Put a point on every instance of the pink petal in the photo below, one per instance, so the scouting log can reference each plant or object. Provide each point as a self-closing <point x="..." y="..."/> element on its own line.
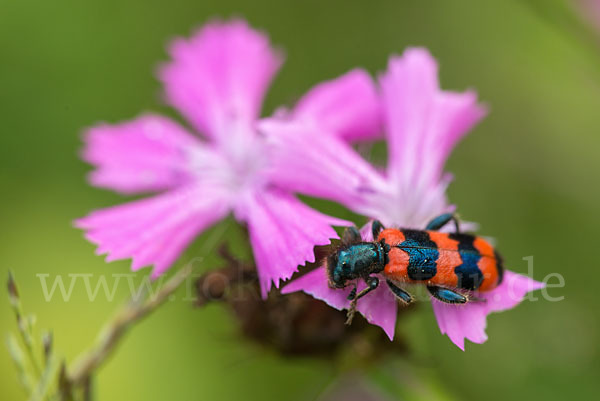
<point x="315" y="283"/>
<point x="379" y="307"/>
<point x="146" y="154"/>
<point x="347" y="106"/>
<point x="469" y="320"/>
<point x="510" y="292"/>
<point x="307" y="160"/>
<point x="423" y="123"/>
<point x="461" y="321"/>
<point x="283" y="234"/>
<point x="154" y="231"/>
<point x="366" y="231"/>
<point x="219" y="76"/>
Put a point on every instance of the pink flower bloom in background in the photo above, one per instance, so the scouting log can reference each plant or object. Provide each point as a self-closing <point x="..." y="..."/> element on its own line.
<point x="217" y="80"/>
<point x="422" y="124"/>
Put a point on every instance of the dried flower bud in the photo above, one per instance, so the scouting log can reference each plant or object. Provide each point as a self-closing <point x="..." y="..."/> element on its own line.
<point x="294" y="324"/>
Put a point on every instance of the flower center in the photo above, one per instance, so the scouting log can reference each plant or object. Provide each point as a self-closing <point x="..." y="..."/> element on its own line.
<point x="234" y="164"/>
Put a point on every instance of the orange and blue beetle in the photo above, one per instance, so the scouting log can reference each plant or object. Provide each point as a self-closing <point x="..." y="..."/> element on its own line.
<point x="451" y="265"/>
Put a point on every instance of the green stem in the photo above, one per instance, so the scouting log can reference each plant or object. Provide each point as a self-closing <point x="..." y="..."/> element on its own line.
<point x="117" y="327"/>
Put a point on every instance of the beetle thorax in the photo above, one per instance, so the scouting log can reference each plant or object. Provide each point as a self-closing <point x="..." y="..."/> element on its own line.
<point x="355" y="261"/>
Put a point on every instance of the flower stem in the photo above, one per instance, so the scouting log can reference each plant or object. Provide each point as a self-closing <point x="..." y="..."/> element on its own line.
<point x="117" y="327"/>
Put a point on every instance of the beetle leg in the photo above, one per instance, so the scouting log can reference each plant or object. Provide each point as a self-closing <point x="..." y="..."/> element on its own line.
<point x="372" y="283"/>
<point x="351" y="236"/>
<point x="441" y="220"/>
<point x="402" y="295"/>
<point x="472" y="298"/>
<point x="352" y="294"/>
<point x="446" y="295"/>
<point x="376" y="228"/>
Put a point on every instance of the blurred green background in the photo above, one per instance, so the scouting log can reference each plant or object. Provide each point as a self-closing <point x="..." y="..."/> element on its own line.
<point x="528" y="174"/>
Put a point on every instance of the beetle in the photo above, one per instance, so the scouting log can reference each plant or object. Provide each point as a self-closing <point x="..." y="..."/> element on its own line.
<point x="451" y="265"/>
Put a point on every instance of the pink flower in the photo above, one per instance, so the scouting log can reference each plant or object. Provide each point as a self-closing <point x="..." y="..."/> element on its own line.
<point x="422" y="124"/>
<point x="217" y="80"/>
